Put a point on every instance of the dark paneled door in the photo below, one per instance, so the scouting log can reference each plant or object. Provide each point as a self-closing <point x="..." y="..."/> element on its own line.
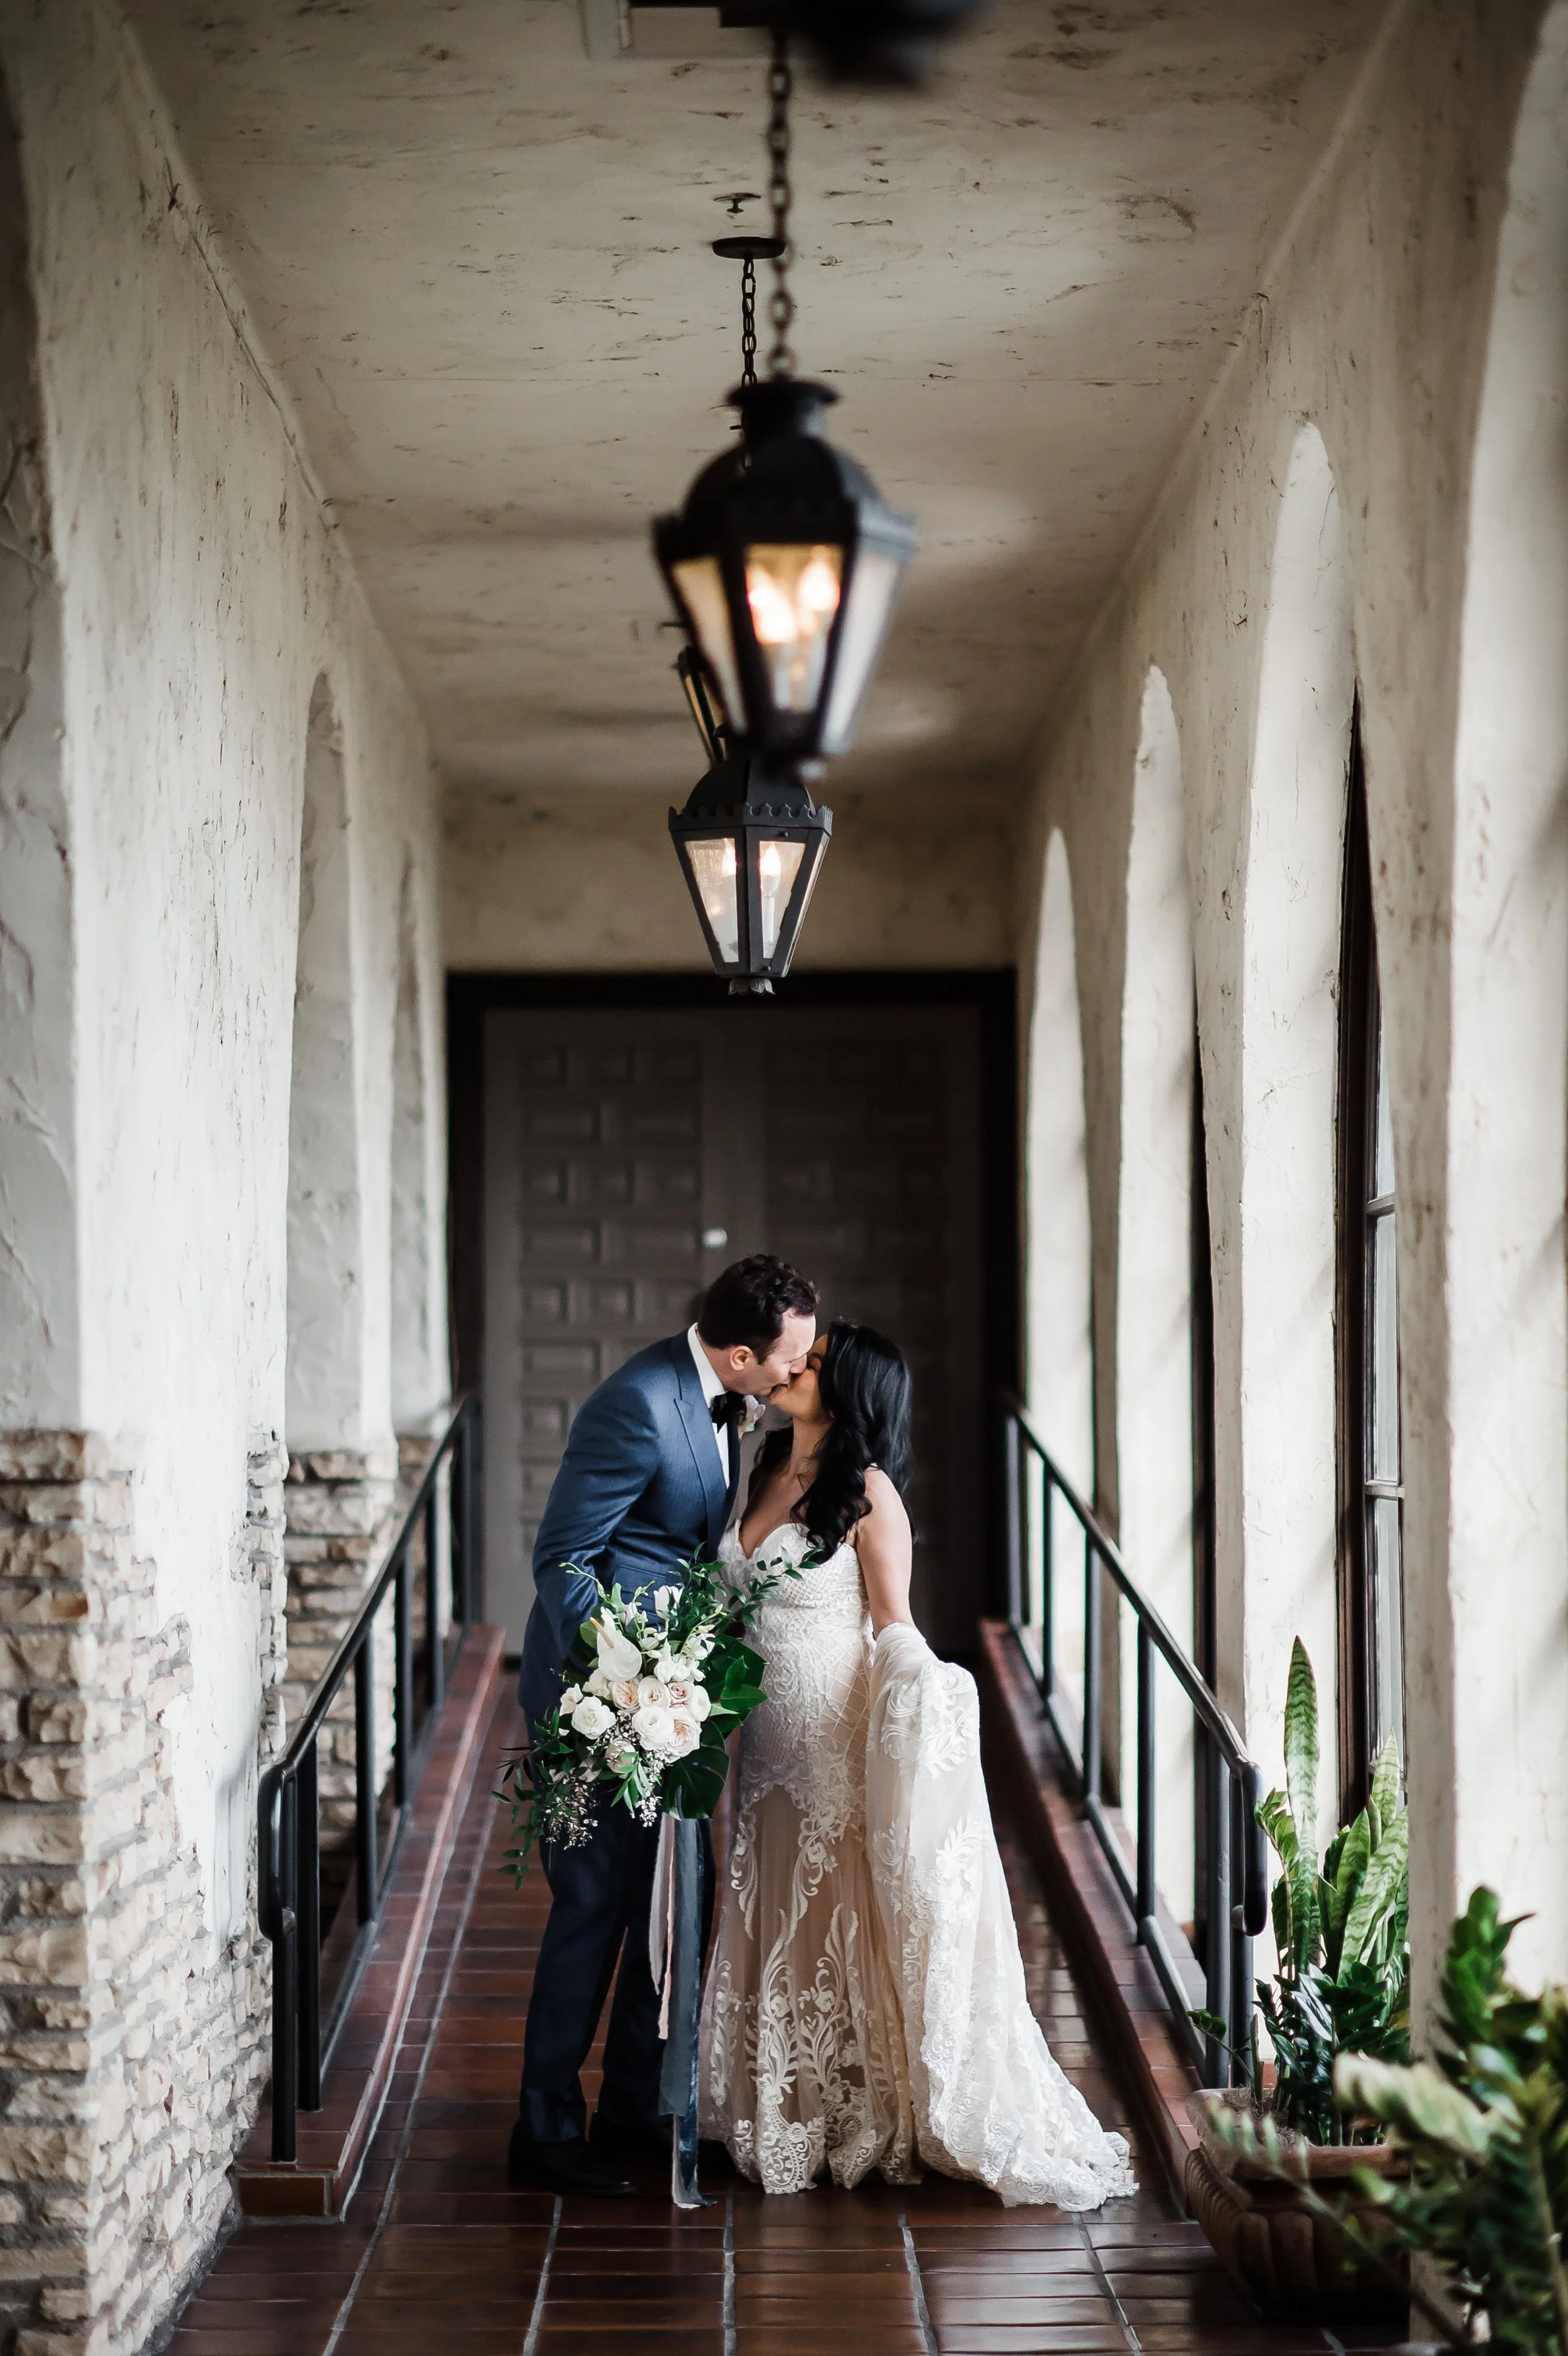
<point x="629" y="1156"/>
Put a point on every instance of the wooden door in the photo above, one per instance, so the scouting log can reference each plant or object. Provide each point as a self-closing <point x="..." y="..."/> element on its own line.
<point x="630" y="1155"/>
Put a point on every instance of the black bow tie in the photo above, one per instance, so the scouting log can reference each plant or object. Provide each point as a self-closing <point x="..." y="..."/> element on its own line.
<point x="729" y="1407"/>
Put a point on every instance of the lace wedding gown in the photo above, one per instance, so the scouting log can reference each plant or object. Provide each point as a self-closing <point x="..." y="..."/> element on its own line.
<point x="864" y="2004"/>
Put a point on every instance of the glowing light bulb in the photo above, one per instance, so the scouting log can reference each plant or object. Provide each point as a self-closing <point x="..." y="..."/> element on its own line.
<point x="773" y="613"/>
<point x="770" y="867"/>
<point x="727" y="863"/>
<point x="818" y="590"/>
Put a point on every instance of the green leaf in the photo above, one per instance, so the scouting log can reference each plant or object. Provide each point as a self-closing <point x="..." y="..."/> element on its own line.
<point x="1301" y="1943"/>
<point x="1382" y="1894"/>
<point x="1417" y="2102"/>
<point x="1344" y="1867"/>
<point x="1386" y="1780"/>
<point x="1301" y="1745"/>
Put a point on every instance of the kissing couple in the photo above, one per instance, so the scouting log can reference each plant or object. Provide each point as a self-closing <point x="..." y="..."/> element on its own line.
<point x="864" y="2008"/>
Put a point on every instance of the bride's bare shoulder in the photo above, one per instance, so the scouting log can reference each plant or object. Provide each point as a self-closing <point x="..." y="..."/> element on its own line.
<point x="887" y="1506"/>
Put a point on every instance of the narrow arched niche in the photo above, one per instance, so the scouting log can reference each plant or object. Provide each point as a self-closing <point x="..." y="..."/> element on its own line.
<point x="1060" y="1352"/>
<point x="1154" y="1258"/>
<point x="325" y="1275"/>
<point x="1292" y="912"/>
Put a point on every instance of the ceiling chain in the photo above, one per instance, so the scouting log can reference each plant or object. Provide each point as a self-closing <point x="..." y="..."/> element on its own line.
<point x="781" y="305"/>
<point x="748" y="321"/>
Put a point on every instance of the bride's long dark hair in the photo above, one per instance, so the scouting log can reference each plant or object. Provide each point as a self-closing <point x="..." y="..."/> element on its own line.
<point x="864" y="1385"/>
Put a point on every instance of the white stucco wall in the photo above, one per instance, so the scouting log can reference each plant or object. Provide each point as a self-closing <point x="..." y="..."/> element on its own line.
<point x="1375" y="332"/>
<point x="203" y="593"/>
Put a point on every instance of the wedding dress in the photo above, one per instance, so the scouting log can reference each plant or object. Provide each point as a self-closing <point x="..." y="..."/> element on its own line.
<point x="864" y="2004"/>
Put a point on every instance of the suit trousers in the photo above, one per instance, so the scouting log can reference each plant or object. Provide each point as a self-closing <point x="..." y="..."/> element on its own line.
<point x="600" y="1896"/>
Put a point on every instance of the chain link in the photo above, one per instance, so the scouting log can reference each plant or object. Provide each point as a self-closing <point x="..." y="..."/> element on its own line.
<point x="780" y="303"/>
<point x="748" y="321"/>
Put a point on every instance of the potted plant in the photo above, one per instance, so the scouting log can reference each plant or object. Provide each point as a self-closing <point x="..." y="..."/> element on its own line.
<point x="1341" y="1986"/>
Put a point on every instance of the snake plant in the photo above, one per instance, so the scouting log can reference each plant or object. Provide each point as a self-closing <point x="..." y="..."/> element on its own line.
<point x="1340" y="1926"/>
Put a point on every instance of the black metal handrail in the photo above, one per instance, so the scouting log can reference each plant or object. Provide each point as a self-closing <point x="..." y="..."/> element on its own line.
<point x="1236" y="1863"/>
<point x="288" y="1801"/>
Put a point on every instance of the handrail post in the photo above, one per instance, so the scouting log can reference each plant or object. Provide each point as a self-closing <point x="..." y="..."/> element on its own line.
<point x="307" y="1853"/>
<point x="1047" y="1581"/>
<point x="1216" y="2061"/>
<point x="402" y="1684"/>
<point x="364" y="1775"/>
<point x="1012" y="1462"/>
<point x="1092" y="1761"/>
<point x="1240" y="2014"/>
<point x="286" y="1984"/>
<point x="465" y="1585"/>
<point x="435" y="1656"/>
<point x="1145" y="1779"/>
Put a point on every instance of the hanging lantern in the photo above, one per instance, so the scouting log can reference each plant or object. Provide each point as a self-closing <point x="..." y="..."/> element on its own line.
<point x="785" y="565"/>
<point x="750" y="853"/>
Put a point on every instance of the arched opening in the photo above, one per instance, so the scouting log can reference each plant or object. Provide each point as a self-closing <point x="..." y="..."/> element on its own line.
<point x="325" y="1275"/>
<point x="40" y="1349"/>
<point x="1154" y="1262"/>
<point x="417" y="1390"/>
<point x="1061" y="1350"/>
<point x="1289" y="1085"/>
<point x="1487" y="1598"/>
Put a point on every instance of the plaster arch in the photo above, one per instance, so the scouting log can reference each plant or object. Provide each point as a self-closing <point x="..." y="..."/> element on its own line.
<point x="40" y="1337"/>
<point x="1292" y="922"/>
<point x="1488" y="1659"/>
<point x="1060" y="1357"/>
<point x="1154" y="1257"/>
<point x="324" y="1385"/>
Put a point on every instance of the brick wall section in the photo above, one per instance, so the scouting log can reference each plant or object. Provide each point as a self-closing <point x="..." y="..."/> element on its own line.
<point x="341" y="1509"/>
<point x="130" y="2063"/>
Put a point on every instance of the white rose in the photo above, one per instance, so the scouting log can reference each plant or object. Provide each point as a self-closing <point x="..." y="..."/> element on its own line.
<point x="654" y="1726"/>
<point x="590" y="1719"/>
<point x="598" y="1683"/>
<point x="618" y="1657"/>
<point x="691" y="1694"/>
<point x="623" y="1693"/>
<point x="652" y="1694"/>
<point x="569" y="1700"/>
<point x="686" y="1734"/>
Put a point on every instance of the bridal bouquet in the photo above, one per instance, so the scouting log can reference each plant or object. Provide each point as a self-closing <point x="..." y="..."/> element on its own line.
<point x="651" y="1698"/>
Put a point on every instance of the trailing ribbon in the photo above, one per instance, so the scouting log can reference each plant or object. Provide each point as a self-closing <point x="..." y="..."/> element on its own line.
<point x="675" y="1958"/>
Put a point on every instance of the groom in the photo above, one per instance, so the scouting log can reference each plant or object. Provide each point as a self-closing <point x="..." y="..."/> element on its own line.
<point x="648" y="1477"/>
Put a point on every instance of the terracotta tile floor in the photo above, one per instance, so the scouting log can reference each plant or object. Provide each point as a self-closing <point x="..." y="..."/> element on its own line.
<point x="437" y="2251"/>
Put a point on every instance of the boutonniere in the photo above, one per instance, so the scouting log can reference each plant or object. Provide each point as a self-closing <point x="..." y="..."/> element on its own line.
<point x="750" y="1415"/>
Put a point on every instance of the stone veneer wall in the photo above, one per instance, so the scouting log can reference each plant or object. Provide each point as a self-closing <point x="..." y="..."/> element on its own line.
<point x="341" y="1507"/>
<point x="131" y="2056"/>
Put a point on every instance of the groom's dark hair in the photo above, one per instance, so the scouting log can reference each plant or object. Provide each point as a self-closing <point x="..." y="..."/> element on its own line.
<point x="747" y="1303"/>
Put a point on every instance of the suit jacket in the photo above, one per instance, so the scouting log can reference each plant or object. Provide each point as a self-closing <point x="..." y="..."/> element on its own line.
<point x="638" y="1491"/>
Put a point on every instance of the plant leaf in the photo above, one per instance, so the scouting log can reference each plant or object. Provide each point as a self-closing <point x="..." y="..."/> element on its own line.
<point x="1301" y="1746"/>
<point x="1417" y="2101"/>
<point x="1385" y="1781"/>
<point x="1383" y="1893"/>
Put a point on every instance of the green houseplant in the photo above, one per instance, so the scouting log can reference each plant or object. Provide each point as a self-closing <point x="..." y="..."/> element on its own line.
<point x="1484" y="2127"/>
<point x="1343" y="1986"/>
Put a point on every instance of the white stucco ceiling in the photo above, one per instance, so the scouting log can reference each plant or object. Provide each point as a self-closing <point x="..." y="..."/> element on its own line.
<point x="480" y="262"/>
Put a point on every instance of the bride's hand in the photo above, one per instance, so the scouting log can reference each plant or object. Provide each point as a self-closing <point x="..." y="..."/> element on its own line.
<point x="887" y="1554"/>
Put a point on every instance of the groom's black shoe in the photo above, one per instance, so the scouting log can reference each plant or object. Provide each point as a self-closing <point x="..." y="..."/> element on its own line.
<point x="563" y="2168"/>
<point x="622" y="2146"/>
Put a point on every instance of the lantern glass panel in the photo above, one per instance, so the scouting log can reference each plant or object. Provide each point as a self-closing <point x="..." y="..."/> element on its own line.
<point x="792" y="588"/>
<point x="701" y="584"/>
<point x="873" y="593"/>
<point x="717" y="874"/>
<point x="778" y="865"/>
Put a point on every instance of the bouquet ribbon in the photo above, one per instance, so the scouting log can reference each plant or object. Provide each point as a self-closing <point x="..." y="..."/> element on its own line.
<point x="675" y="1958"/>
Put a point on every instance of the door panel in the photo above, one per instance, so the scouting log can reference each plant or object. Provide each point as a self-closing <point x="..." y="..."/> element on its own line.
<point x="845" y="1138"/>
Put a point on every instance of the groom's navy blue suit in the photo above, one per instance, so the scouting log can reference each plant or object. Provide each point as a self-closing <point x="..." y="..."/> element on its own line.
<point x="639" y="1491"/>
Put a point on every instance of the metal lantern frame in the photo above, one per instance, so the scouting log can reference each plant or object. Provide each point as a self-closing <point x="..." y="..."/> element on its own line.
<point x="738" y="805"/>
<point x="785" y="487"/>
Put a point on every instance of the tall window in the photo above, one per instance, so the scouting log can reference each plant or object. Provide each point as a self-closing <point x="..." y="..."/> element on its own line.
<point x="1372" y="1590"/>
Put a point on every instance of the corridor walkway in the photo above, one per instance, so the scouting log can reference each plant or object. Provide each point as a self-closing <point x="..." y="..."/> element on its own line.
<point x="439" y="2253"/>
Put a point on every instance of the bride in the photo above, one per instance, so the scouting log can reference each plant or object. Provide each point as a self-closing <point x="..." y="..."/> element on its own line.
<point x="865" y="2006"/>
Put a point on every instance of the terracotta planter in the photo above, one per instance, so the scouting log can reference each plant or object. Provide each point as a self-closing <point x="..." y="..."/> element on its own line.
<point x="1294" y="2265"/>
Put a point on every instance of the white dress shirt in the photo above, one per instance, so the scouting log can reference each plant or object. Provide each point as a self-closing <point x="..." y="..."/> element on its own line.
<point x="712" y="1389"/>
